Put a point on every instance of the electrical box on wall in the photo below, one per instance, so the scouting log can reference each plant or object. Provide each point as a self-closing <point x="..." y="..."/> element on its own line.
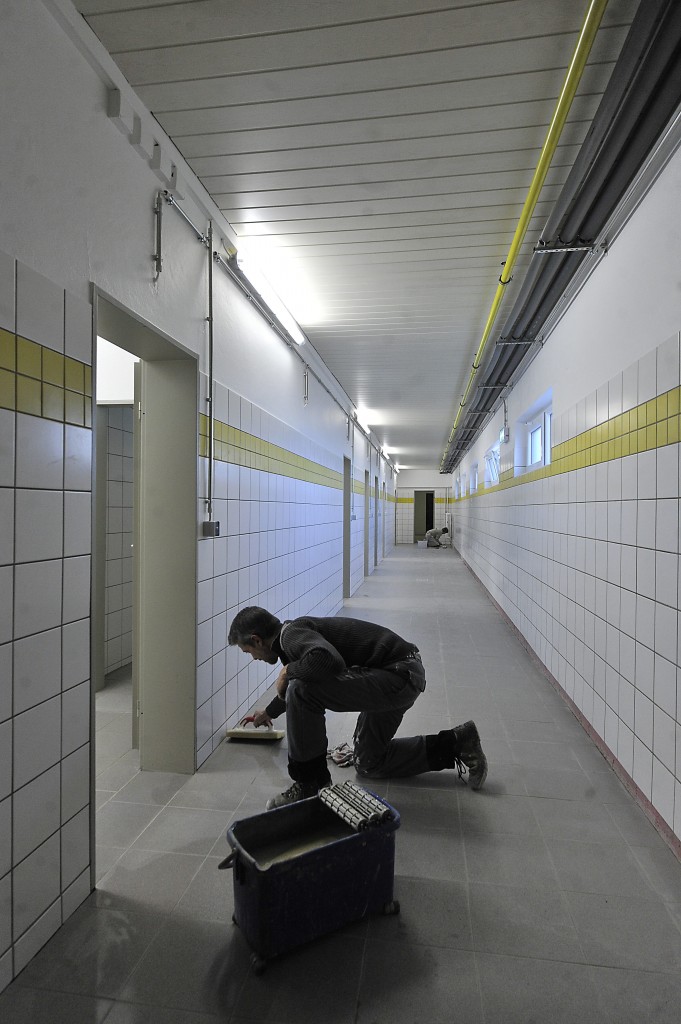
<point x="504" y="435"/>
<point x="211" y="529"/>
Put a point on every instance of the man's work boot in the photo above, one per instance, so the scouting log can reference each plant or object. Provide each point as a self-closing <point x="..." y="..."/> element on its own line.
<point x="458" y="748"/>
<point x="467" y="742"/>
<point x="296" y="791"/>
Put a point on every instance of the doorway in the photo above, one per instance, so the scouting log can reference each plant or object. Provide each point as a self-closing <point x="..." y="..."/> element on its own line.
<point x="163" y="563"/>
<point x="424" y="513"/>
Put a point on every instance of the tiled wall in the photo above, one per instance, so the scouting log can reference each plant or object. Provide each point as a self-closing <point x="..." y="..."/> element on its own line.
<point x="119" y="498"/>
<point x="279" y="499"/>
<point x="583" y="556"/>
<point x="405" y="512"/>
<point x="45" y="508"/>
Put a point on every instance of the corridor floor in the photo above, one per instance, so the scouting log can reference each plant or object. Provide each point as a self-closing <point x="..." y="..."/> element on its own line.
<point x="545" y="897"/>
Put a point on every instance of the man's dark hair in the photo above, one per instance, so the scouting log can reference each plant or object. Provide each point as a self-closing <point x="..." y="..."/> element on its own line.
<point x="446" y="530"/>
<point x="252" y="620"/>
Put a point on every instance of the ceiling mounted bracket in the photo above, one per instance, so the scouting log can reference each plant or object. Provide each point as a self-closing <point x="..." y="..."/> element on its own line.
<point x="548" y="248"/>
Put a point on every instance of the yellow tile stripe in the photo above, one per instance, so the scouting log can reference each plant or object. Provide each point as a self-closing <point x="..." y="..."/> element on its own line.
<point x="240" y="448"/>
<point x="650" y="425"/>
<point x="41" y="382"/>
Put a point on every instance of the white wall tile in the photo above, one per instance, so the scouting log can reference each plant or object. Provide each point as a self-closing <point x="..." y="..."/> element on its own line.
<point x="646" y="515"/>
<point x="7" y="438"/>
<point x="7" y="294"/>
<point x="77" y="458"/>
<point x="35" y="813"/>
<point x="630" y="387"/>
<point x="668" y="364"/>
<point x="5" y="759"/>
<point x="39" y="525"/>
<point x="75" y="718"/>
<point x="615" y="392"/>
<point x="36" y="885"/>
<point x="643" y="767"/>
<point x="39" y="453"/>
<point x="75" y="847"/>
<point x="5" y="913"/>
<point x="76" y="588"/>
<point x="6" y="602"/>
<point x="645" y="670"/>
<point x="77" y="328"/>
<point x="666" y="577"/>
<point x="36" y="740"/>
<point x="667" y="524"/>
<point x="668" y="471"/>
<point x="7" y="520"/>
<point x="37" y="669"/>
<point x="662" y="795"/>
<point x="75" y="653"/>
<point x="26" y="947"/>
<point x="647" y="474"/>
<point x="40" y="309"/>
<point x="77" y="892"/>
<point x="37" y="597"/>
<point x="645" y="572"/>
<point x="665" y="685"/>
<point x="647" y="377"/>
<point x="77" y="523"/>
<point x="665" y="631"/>
<point x="75" y="782"/>
<point x="6" y="681"/>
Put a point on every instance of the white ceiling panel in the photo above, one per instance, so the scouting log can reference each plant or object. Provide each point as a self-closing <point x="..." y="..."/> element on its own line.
<point x="384" y="150"/>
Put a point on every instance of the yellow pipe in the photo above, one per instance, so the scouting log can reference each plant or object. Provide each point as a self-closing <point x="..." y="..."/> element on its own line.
<point x="574" y="73"/>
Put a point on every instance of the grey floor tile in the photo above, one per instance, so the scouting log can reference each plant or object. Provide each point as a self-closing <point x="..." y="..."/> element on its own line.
<point x="638" y="997"/>
<point x="151" y="788"/>
<point x="572" y="819"/>
<point x="632" y="823"/>
<point x="21" y="1005"/>
<point x="608" y="867"/>
<point x="537" y="755"/>
<point x="523" y="922"/>
<point x="437" y="855"/>
<point x="503" y="815"/>
<point x="120" y="824"/>
<point x="134" y="1013"/>
<point x="94" y="952"/>
<point x="191" y="965"/>
<point x="661" y="868"/>
<point x="518" y="990"/>
<point x="210" y="894"/>
<point x="617" y="931"/>
<point x="522" y="861"/>
<point x="105" y="858"/>
<point x="402" y="983"/>
<point x="433" y="912"/>
<point x="151" y="879"/>
<point x="421" y="806"/>
<point x="284" y="995"/>
<point x="191" y="830"/>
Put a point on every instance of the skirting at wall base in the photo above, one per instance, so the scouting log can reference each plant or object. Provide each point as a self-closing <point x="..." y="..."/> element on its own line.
<point x="672" y="841"/>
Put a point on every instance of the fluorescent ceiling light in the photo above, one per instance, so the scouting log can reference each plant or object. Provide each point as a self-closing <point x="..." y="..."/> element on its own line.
<point x="285" y="274"/>
<point x="263" y="286"/>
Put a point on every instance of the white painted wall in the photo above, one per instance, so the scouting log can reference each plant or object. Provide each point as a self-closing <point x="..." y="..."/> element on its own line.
<point x="586" y="563"/>
<point x="77" y="211"/>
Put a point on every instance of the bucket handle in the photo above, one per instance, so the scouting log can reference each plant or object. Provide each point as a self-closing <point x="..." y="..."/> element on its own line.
<point x="228" y="862"/>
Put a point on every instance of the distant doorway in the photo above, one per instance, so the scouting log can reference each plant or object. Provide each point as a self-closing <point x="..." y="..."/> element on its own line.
<point x="424" y="513"/>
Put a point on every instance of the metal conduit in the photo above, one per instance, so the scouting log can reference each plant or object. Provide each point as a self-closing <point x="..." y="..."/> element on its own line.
<point x="641" y="98"/>
<point x="572" y="79"/>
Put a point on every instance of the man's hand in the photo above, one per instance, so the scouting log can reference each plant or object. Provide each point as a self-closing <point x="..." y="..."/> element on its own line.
<point x="259" y="717"/>
<point x="282" y="683"/>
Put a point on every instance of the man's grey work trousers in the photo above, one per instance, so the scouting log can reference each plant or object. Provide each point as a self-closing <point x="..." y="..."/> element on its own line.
<point x="382" y="696"/>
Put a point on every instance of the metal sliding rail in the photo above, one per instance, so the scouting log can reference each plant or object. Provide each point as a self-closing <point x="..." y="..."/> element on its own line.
<point x="575" y="70"/>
